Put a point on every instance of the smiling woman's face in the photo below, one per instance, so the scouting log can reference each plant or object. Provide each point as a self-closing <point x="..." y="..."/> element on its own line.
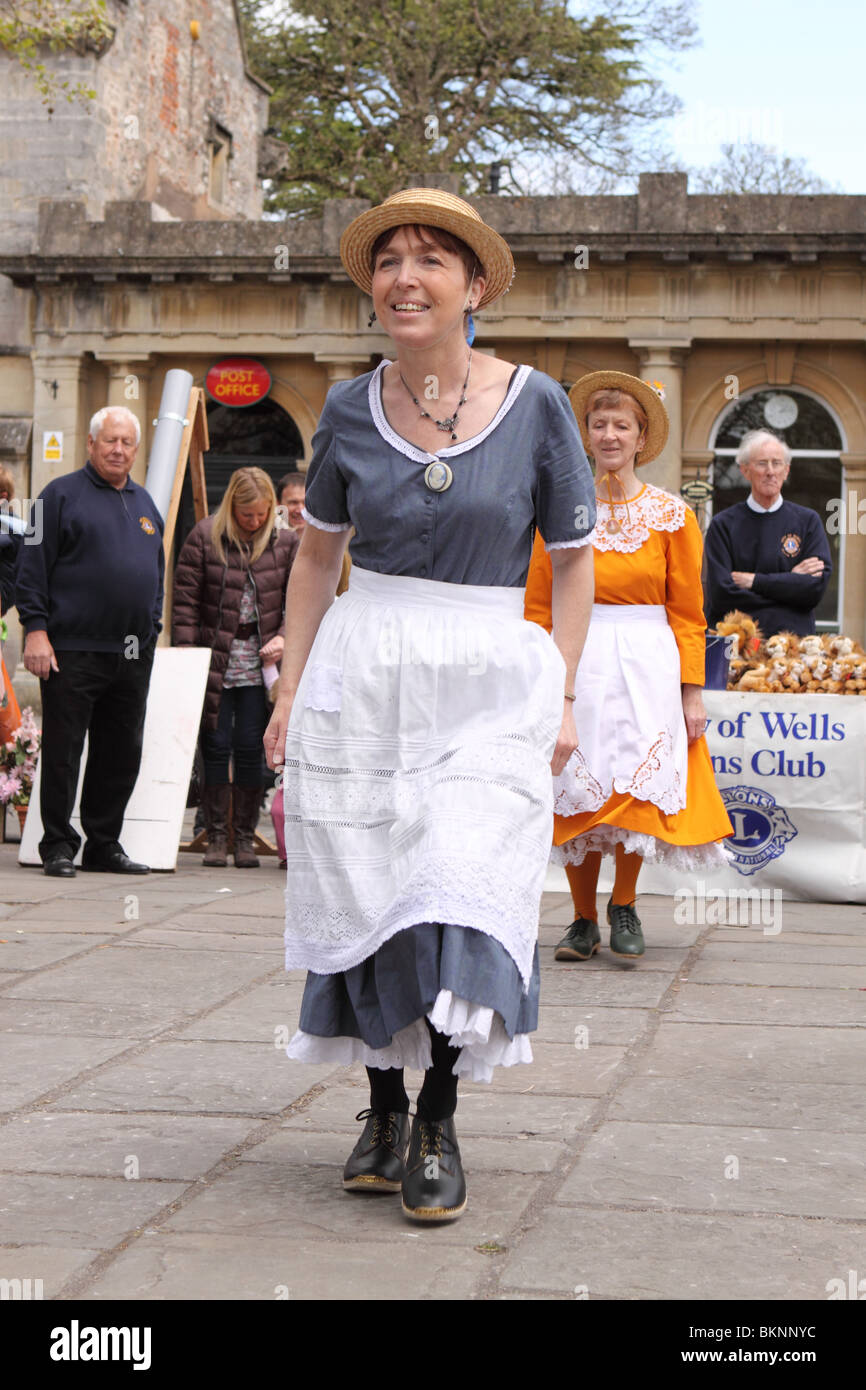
<point x="420" y="289"/>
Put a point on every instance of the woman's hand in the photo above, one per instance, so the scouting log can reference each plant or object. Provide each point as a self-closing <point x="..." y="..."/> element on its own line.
<point x="567" y="741"/>
<point x="694" y="712"/>
<point x="275" y="734"/>
<point x="272" y="651"/>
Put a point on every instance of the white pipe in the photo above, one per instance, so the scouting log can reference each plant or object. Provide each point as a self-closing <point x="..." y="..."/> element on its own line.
<point x="170" y="424"/>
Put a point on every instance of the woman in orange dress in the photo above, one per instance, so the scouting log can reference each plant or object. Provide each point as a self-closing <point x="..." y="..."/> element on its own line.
<point x="640" y="785"/>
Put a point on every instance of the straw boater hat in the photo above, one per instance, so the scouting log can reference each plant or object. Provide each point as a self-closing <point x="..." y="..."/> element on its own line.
<point x="428" y="207"/>
<point x="657" y="428"/>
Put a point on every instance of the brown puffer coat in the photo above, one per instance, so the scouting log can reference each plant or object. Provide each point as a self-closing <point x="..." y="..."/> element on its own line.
<point x="207" y="599"/>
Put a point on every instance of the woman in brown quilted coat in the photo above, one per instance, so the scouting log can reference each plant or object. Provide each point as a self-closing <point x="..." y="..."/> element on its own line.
<point x="229" y="595"/>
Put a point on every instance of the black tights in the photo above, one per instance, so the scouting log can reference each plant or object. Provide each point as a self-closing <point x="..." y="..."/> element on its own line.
<point x="437" y="1099"/>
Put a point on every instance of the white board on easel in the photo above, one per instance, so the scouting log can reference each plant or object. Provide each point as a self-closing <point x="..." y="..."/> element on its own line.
<point x="154" y="817"/>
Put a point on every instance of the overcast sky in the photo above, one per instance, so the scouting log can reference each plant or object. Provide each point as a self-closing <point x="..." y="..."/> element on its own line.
<point x="790" y="73"/>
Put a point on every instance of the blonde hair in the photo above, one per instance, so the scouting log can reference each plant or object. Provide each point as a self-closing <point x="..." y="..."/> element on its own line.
<point x="246" y="486"/>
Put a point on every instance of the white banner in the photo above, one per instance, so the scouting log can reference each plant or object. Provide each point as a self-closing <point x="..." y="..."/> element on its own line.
<point x="792" y="773"/>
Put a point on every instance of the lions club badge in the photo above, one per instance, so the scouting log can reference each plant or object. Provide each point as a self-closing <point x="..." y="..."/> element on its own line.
<point x="791" y="544"/>
<point x="146" y="525"/>
<point x="761" y="828"/>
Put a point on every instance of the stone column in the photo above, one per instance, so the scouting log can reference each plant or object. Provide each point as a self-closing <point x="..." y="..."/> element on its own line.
<point x="662" y="360"/>
<point x="58" y="405"/>
<point x="343" y="368"/>
<point x="128" y="385"/>
<point x="853" y="524"/>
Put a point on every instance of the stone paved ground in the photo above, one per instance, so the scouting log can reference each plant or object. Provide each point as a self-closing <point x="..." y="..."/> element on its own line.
<point x="692" y="1128"/>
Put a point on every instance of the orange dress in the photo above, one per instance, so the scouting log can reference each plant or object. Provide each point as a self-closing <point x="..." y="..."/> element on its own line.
<point x="652" y="564"/>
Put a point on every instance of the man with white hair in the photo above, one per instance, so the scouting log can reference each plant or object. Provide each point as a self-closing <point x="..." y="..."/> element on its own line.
<point x="90" y="601"/>
<point x="768" y="557"/>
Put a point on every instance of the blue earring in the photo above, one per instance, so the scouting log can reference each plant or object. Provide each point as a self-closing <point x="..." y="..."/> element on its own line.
<point x="470" y="329"/>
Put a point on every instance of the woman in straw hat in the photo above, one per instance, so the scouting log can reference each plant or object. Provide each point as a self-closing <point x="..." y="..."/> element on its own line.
<point x="420" y="713"/>
<point x="640" y="784"/>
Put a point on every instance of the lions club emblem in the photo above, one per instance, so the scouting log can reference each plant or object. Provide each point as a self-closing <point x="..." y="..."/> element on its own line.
<point x="761" y="828"/>
<point x="791" y="544"/>
<point x="146" y="525"/>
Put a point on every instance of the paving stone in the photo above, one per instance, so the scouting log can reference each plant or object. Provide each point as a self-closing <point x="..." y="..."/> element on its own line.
<point x="716" y="1168"/>
<point x="200" y="1078"/>
<point x="213" y="940"/>
<point x="494" y="1112"/>
<point x="164" y="1146"/>
<point x="673" y="1255"/>
<point x="82" y="931"/>
<point x="808" y="1078"/>
<point x="626" y="987"/>
<point x="479" y="1155"/>
<point x="53" y="1264"/>
<point x="558" y="1022"/>
<point x="26" y="952"/>
<point x="559" y="1069"/>
<point x="256" y="1016"/>
<point x="298" y="1202"/>
<point x="835" y="1008"/>
<point x="802" y="949"/>
<point x="413" y="1265"/>
<point x="779" y="972"/>
<point x="242" y="924"/>
<point x="36" y="1063"/>
<point x="138" y="975"/>
<point x="85" y="1212"/>
<point x="102" y="1020"/>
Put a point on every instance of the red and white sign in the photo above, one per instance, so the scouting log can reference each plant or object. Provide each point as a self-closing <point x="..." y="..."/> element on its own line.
<point x="238" y="381"/>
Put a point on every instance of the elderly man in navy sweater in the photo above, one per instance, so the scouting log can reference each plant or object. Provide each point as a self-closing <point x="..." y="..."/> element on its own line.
<point x="90" y="600"/>
<point x="765" y="556"/>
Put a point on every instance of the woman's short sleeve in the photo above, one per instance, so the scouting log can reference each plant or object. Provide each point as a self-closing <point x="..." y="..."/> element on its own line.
<point x="565" y="492"/>
<point x="325" y="493"/>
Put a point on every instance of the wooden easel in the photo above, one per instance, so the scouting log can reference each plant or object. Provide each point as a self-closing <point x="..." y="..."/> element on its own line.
<point x="194" y="444"/>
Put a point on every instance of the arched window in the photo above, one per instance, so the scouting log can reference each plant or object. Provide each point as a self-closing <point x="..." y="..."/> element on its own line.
<point x="814" y="436"/>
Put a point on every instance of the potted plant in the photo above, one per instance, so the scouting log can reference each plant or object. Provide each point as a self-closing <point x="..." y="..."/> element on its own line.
<point x="18" y="765"/>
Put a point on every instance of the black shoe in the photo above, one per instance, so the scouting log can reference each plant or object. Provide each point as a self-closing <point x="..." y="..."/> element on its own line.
<point x="376" y="1162"/>
<point x="581" y="940"/>
<point x="626" y="937"/>
<point x="60" y="866"/>
<point x="112" y="861"/>
<point x="434" y="1188"/>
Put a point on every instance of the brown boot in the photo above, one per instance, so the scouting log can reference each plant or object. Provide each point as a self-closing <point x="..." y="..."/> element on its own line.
<point x="215" y="804"/>
<point x="246" y="804"/>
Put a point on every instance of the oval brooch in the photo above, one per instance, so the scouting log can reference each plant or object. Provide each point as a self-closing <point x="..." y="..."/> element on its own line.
<point x="438" y="476"/>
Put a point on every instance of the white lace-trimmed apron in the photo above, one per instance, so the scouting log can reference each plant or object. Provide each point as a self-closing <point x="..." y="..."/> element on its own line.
<point x="629" y="714"/>
<point x="417" y="780"/>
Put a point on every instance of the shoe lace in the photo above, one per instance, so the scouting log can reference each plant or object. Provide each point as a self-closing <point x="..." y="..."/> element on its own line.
<point x="624" y="918"/>
<point x="384" y="1131"/>
<point x="433" y="1137"/>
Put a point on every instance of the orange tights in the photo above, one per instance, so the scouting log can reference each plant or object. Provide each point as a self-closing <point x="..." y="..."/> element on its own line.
<point x="583" y="881"/>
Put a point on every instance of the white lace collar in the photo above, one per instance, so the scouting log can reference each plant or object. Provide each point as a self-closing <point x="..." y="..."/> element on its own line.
<point x="652" y="510"/>
<point x="380" y="420"/>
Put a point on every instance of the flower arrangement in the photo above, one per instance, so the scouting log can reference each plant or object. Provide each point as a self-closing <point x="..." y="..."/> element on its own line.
<point x="18" y="762"/>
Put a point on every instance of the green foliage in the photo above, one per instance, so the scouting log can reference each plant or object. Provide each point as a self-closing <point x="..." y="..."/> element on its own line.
<point x="369" y="92"/>
<point x="29" y="27"/>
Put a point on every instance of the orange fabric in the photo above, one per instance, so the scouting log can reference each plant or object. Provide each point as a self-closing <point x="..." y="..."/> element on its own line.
<point x="628" y="866"/>
<point x="665" y="570"/>
<point x="583" y="882"/>
<point x="10" y="715"/>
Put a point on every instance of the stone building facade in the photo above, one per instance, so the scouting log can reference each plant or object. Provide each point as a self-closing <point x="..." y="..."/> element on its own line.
<point x="745" y="308"/>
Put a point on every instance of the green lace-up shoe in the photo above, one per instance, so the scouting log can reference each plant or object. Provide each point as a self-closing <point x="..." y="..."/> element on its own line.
<point x="626" y="937"/>
<point x="582" y="940"/>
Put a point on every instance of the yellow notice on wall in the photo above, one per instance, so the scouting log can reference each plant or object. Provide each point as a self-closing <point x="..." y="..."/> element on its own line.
<point x="52" y="446"/>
